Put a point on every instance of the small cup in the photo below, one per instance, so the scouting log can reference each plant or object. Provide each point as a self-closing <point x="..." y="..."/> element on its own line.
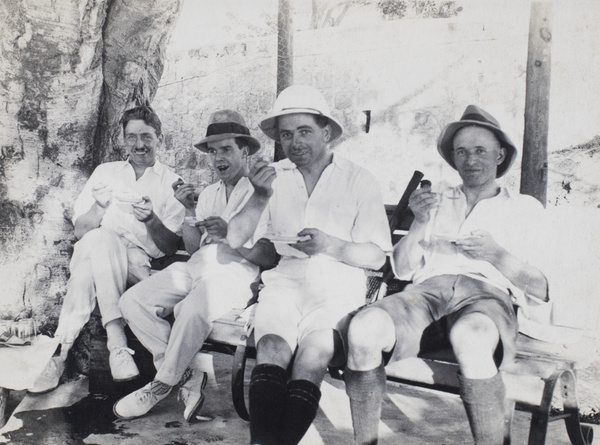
<point x="26" y="329"/>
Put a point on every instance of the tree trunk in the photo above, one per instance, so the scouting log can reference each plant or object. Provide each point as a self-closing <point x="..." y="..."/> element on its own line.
<point x="135" y="37"/>
<point x="66" y="65"/>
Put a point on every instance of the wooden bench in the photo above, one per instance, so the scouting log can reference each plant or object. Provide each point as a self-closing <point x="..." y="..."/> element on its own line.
<point x="540" y="368"/>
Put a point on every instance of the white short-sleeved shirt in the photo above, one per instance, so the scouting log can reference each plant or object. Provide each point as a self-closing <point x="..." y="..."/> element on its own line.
<point x="345" y="203"/>
<point x="213" y="202"/>
<point x="155" y="183"/>
<point x="510" y="219"/>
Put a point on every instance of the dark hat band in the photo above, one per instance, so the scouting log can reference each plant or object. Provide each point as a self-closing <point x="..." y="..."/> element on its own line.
<point x="477" y="117"/>
<point x="226" y="128"/>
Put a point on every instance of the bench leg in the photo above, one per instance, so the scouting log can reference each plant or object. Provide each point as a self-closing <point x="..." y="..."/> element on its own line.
<point x="540" y="415"/>
<point x="508" y="418"/>
<point x="237" y="379"/>
<point x="578" y="434"/>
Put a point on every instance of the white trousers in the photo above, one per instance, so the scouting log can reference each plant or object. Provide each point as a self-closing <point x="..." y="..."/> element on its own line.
<point x="196" y="293"/>
<point x="103" y="264"/>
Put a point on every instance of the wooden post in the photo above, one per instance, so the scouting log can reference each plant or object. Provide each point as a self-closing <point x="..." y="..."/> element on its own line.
<point x="534" y="170"/>
<point x="285" y="55"/>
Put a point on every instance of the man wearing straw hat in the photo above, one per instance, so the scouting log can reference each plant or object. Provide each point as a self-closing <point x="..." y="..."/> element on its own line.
<point x="214" y="280"/>
<point x="469" y="255"/>
<point x="328" y="222"/>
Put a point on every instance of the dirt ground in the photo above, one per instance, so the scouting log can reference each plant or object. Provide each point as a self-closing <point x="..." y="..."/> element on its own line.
<point x="71" y="415"/>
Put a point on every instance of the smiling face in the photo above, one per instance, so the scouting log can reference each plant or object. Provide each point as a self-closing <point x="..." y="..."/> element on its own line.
<point x="141" y="142"/>
<point x="477" y="154"/>
<point x="303" y="140"/>
<point x="228" y="159"/>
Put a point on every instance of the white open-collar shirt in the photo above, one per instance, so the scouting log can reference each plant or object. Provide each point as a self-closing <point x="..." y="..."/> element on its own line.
<point x="155" y="183"/>
<point x="345" y="203"/>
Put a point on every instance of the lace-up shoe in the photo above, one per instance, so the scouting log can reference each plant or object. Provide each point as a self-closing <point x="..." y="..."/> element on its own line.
<point x="139" y="402"/>
<point x="122" y="365"/>
<point x="191" y="393"/>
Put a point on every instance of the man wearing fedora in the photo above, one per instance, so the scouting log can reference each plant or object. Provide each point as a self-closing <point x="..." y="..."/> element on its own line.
<point x="469" y="256"/>
<point x="328" y="222"/>
<point x="214" y="280"/>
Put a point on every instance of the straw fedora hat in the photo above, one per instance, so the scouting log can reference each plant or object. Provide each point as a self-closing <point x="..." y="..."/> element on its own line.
<point x="225" y="124"/>
<point x="299" y="99"/>
<point x="474" y="115"/>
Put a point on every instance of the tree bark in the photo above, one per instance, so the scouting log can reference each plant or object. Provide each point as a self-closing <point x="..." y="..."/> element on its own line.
<point x="136" y="33"/>
<point x="68" y="67"/>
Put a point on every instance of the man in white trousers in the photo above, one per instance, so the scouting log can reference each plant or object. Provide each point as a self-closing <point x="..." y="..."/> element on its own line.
<point x="125" y="215"/>
<point x="214" y="280"/>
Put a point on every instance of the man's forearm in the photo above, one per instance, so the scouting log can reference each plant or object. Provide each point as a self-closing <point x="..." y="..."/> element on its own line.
<point x="365" y="255"/>
<point x="191" y="234"/>
<point x="523" y="275"/>
<point x="89" y="220"/>
<point x="164" y="239"/>
<point x="263" y="254"/>
<point x="408" y="252"/>
<point x="242" y="226"/>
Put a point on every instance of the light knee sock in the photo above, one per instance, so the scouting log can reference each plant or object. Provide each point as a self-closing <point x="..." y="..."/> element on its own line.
<point x="266" y="399"/>
<point x="365" y="390"/>
<point x="301" y="405"/>
<point x="485" y="403"/>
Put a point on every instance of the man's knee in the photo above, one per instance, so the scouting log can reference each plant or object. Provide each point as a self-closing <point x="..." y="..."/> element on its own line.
<point x="317" y="349"/>
<point x="474" y="338"/>
<point x="474" y="328"/>
<point x="371" y="329"/>
<point x="99" y="236"/>
<point x="273" y="349"/>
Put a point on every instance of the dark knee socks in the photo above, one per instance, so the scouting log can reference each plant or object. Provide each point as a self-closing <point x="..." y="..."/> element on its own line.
<point x="280" y="412"/>
<point x="301" y="404"/>
<point x="266" y="399"/>
<point x="365" y="390"/>
<point x="485" y="402"/>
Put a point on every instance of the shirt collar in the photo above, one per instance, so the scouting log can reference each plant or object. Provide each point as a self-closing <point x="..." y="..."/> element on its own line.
<point x="241" y="182"/>
<point x="338" y="162"/>
<point x="503" y="194"/>
<point x="157" y="168"/>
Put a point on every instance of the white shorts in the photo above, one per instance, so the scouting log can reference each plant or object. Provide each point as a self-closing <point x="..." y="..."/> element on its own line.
<point x="301" y="296"/>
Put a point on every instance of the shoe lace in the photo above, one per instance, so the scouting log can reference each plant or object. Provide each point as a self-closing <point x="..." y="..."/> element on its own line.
<point x="152" y="392"/>
<point x="146" y="394"/>
<point x="186" y="376"/>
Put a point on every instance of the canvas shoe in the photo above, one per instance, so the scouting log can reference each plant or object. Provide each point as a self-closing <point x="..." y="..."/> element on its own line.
<point x="138" y="402"/>
<point x="191" y="393"/>
<point x="122" y="365"/>
<point x="49" y="378"/>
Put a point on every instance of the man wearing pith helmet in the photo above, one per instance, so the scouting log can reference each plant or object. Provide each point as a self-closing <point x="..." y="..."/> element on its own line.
<point x="328" y="222"/>
<point x="469" y="255"/>
<point x="214" y="280"/>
